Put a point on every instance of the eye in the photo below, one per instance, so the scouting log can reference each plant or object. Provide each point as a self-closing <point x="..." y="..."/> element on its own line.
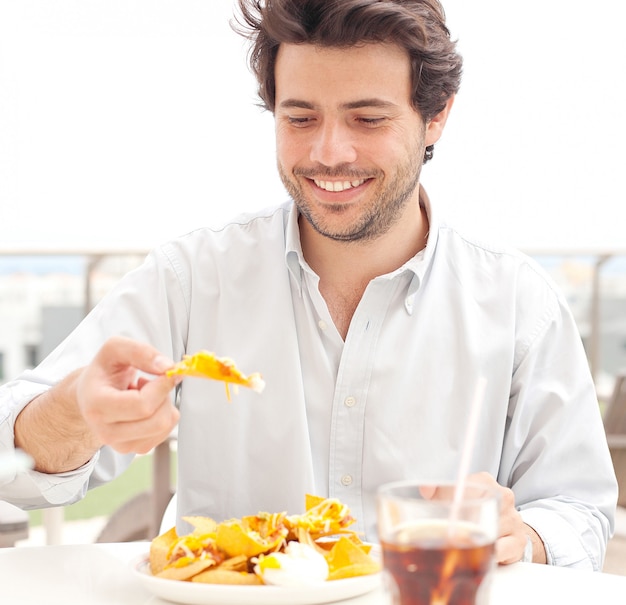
<point x="299" y="121"/>
<point x="370" y="121"/>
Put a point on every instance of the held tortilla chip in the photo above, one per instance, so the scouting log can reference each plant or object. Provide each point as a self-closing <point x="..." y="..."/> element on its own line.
<point x="205" y="364"/>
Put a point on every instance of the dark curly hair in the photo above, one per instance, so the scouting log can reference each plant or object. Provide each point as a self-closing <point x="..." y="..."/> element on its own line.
<point x="418" y="26"/>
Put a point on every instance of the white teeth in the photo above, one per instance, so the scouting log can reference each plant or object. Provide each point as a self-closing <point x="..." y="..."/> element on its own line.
<point x="338" y="185"/>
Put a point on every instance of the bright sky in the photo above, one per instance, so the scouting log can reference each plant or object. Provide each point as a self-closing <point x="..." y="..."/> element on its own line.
<point x="133" y="121"/>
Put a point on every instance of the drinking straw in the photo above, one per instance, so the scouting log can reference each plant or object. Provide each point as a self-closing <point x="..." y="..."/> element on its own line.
<point x="468" y="450"/>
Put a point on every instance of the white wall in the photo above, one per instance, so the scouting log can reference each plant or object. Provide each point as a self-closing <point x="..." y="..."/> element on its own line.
<point x="536" y="146"/>
<point x="132" y="121"/>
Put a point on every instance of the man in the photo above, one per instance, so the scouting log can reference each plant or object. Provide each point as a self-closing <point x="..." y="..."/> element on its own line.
<point x="370" y="320"/>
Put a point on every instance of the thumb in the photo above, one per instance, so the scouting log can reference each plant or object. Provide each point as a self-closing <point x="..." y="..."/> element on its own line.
<point x="119" y="353"/>
<point x="428" y="491"/>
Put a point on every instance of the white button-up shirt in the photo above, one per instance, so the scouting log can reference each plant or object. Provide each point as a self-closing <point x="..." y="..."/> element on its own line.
<point x="340" y="418"/>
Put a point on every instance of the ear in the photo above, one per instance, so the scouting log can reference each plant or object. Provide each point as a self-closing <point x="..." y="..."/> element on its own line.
<point x="434" y="128"/>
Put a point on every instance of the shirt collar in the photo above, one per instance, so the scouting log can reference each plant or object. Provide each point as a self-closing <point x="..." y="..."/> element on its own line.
<point x="293" y="248"/>
<point x="418" y="265"/>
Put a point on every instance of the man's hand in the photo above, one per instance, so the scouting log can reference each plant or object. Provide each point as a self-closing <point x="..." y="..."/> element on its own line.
<point x="513" y="532"/>
<point x="129" y="414"/>
<point x="101" y="404"/>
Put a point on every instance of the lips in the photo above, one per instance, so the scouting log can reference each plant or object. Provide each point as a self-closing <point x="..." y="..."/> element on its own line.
<point x="337" y="186"/>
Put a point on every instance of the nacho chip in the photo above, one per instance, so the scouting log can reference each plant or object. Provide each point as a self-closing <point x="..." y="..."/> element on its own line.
<point x="238" y="563"/>
<point x="226" y="552"/>
<point x="160" y="549"/>
<point x="181" y="557"/>
<point x="325" y="517"/>
<point x="227" y="576"/>
<point x="205" y="364"/>
<point x="311" y="501"/>
<point x="328" y="543"/>
<point x="251" y="536"/>
<point x="347" y="560"/>
<point x="186" y="572"/>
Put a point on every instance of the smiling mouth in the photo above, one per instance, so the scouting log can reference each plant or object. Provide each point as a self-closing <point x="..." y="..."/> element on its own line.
<point x="338" y="185"/>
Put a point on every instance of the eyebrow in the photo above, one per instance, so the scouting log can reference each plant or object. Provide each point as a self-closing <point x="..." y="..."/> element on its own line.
<point x="359" y="104"/>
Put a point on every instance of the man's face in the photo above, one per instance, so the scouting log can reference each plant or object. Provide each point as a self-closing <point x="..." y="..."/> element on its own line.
<point x="350" y="145"/>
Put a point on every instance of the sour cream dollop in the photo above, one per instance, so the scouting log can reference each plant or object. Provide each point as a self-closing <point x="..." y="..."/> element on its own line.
<point x="299" y="565"/>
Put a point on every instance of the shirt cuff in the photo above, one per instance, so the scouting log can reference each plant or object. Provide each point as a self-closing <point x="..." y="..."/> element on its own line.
<point x="563" y="545"/>
<point x="31" y="489"/>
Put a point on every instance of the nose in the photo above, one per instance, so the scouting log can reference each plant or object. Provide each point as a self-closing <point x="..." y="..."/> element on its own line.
<point x="333" y="144"/>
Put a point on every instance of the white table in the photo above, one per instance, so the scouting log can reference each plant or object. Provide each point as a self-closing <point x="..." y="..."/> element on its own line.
<point x="99" y="574"/>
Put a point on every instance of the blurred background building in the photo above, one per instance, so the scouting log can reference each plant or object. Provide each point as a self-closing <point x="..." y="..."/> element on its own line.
<point x="43" y="297"/>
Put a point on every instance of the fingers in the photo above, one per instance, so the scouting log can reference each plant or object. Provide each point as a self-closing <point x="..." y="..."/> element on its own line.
<point x="446" y="492"/>
<point x="428" y="492"/>
<point x="120" y="353"/>
<point x="141" y="435"/>
<point x="511" y="540"/>
<point x="512" y="531"/>
<point x="512" y="534"/>
<point x="129" y="414"/>
<point x="109" y="403"/>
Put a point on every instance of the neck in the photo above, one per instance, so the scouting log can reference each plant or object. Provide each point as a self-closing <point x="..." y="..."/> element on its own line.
<point x="345" y="268"/>
<point x="361" y="261"/>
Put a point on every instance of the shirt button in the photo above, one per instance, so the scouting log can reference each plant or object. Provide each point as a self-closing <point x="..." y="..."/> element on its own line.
<point x="322" y="324"/>
<point x="349" y="401"/>
<point x="346" y="480"/>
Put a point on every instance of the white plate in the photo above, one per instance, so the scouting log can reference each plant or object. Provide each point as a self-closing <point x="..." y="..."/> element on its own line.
<point x="191" y="593"/>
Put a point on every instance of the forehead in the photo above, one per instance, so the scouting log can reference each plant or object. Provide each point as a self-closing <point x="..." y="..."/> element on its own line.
<point x="323" y="75"/>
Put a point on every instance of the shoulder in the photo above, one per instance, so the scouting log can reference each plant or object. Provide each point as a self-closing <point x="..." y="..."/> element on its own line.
<point x="244" y="230"/>
<point x="507" y="281"/>
<point x="493" y="260"/>
<point x="243" y="250"/>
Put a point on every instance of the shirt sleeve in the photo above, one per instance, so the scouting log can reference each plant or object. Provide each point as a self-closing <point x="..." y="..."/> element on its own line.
<point x="131" y="309"/>
<point x="570" y="539"/>
<point x="31" y="489"/>
<point x="555" y="455"/>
